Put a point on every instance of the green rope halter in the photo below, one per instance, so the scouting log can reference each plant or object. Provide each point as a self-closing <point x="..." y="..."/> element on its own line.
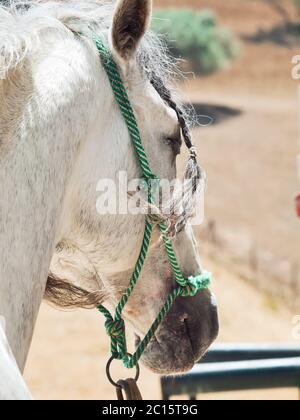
<point x="115" y="326"/>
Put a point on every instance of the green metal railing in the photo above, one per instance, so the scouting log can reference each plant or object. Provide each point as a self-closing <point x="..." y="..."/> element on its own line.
<point x="238" y="367"/>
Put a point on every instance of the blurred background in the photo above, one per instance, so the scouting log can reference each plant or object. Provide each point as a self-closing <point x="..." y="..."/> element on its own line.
<point x="237" y="60"/>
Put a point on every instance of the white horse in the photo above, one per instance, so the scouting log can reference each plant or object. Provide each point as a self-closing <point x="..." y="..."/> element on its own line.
<point x="60" y="133"/>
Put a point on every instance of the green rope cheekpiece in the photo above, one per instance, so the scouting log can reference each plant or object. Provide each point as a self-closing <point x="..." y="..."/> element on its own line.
<point x="115" y="326"/>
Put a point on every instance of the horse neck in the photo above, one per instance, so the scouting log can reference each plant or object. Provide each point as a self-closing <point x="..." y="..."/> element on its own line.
<point x="36" y="160"/>
<point x="12" y="385"/>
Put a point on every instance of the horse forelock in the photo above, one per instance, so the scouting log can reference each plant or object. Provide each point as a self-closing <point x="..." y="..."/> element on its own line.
<point x="23" y="23"/>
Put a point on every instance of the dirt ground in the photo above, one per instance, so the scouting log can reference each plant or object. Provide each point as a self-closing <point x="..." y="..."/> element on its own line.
<point x="251" y="165"/>
<point x="251" y="159"/>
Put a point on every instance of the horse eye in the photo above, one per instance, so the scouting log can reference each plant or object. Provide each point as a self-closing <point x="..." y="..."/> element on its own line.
<point x="174" y="143"/>
<point x="169" y="141"/>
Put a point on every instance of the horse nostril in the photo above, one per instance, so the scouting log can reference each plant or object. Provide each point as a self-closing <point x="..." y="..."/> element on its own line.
<point x="184" y="317"/>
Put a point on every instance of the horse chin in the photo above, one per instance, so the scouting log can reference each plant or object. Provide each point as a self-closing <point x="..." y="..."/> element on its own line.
<point x="172" y="354"/>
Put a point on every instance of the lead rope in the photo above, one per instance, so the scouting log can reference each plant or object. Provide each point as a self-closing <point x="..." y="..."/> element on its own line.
<point x="115" y="326"/>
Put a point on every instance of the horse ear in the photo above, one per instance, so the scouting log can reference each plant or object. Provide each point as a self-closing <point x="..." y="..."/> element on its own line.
<point x="130" y="22"/>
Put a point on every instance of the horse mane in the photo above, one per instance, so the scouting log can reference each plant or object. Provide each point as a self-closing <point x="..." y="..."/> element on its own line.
<point x="65" y="295"/>
<point x="23" y="23"/>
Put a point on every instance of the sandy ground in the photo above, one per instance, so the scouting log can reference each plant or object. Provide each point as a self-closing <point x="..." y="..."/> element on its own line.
<point x="252" y="172"/>
<point x="69" y="352"/>
<point x="251" y="160"/>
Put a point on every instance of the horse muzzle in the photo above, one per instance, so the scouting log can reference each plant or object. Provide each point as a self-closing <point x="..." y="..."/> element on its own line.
<point x="184" y="336"/>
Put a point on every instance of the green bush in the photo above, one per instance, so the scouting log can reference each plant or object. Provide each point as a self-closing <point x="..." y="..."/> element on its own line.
<point x="196" y="37"/>
<point x="297" y="5"/>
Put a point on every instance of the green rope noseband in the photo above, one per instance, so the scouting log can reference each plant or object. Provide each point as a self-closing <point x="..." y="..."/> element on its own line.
<point x="115" y="326"/>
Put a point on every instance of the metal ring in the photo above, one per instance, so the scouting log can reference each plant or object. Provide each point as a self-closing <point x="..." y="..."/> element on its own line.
<point x="137" y="375"/>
